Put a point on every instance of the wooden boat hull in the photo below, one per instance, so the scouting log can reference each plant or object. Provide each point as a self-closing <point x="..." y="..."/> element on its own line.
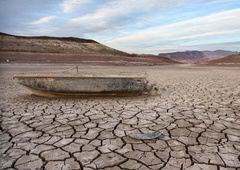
<point x="47" y="85"/>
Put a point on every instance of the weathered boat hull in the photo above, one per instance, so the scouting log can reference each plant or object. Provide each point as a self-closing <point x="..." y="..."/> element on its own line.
<point x="82" y="85"/>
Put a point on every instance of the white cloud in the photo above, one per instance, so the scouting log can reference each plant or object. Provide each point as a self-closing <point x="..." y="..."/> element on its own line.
<point x="140" y="25"/>
<point x="69" y="5"/>
<point x="112" y="13"/>
<point x="143" y="4"/>
<point x="205" y="28"/>
<point x="43" y="20"/>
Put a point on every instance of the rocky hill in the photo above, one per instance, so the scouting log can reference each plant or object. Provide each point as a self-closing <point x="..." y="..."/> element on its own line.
<point x="44" y="44"/>
<point x="229" y="60"/>
<point x="211" y="55"/>
<point x="197" y="56"/>
<point x="43" y="49"/>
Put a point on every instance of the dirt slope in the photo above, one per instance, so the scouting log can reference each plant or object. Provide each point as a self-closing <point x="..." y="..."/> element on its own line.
<point x="232" y="59"/>
<point x="45" y="44"/>
<point x="22" y="49"/>
<point x="197" y="56"/>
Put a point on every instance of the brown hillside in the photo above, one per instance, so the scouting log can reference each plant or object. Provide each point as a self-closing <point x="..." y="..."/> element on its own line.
<point x="197" y="56"/>
<point x="232" y="59"/>
<point x="44" y="44"/>
<point x="22" y="49"/>
<point x="90" y="59"/>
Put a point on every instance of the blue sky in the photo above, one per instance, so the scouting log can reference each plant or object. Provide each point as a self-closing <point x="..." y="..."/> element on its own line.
<point x="134" y="26"/>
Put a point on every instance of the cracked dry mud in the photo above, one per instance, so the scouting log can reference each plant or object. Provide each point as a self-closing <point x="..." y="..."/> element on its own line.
<point x="197" y="111"/>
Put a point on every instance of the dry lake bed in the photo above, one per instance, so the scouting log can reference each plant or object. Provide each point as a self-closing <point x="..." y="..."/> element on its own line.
<point x="197" y="110"/>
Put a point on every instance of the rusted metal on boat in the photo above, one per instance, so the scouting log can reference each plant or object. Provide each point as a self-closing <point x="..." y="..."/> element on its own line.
<point x="84" y="84"/>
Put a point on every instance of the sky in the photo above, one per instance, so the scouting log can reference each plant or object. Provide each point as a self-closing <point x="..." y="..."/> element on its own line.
<point x="133" y="26"/>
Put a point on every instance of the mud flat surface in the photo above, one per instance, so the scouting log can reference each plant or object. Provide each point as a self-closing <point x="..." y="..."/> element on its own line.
<point x="197" y="111"/>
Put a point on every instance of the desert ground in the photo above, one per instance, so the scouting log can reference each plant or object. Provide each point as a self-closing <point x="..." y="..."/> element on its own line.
<point x="197" y="110"/>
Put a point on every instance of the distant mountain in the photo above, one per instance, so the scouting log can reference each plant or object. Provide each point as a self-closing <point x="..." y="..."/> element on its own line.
<point x="44" y="49"/>
<point x="231" y="59"/>
<point x="185" y="56"/>
<point x="197" y="56"/>
<point x="218" y="54"/>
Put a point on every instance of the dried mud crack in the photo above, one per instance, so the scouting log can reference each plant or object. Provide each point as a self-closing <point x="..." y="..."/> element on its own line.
<point x="198" y="114"/>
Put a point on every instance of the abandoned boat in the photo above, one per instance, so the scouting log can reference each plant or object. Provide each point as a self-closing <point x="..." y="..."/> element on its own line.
<point x="85" y="85"/>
